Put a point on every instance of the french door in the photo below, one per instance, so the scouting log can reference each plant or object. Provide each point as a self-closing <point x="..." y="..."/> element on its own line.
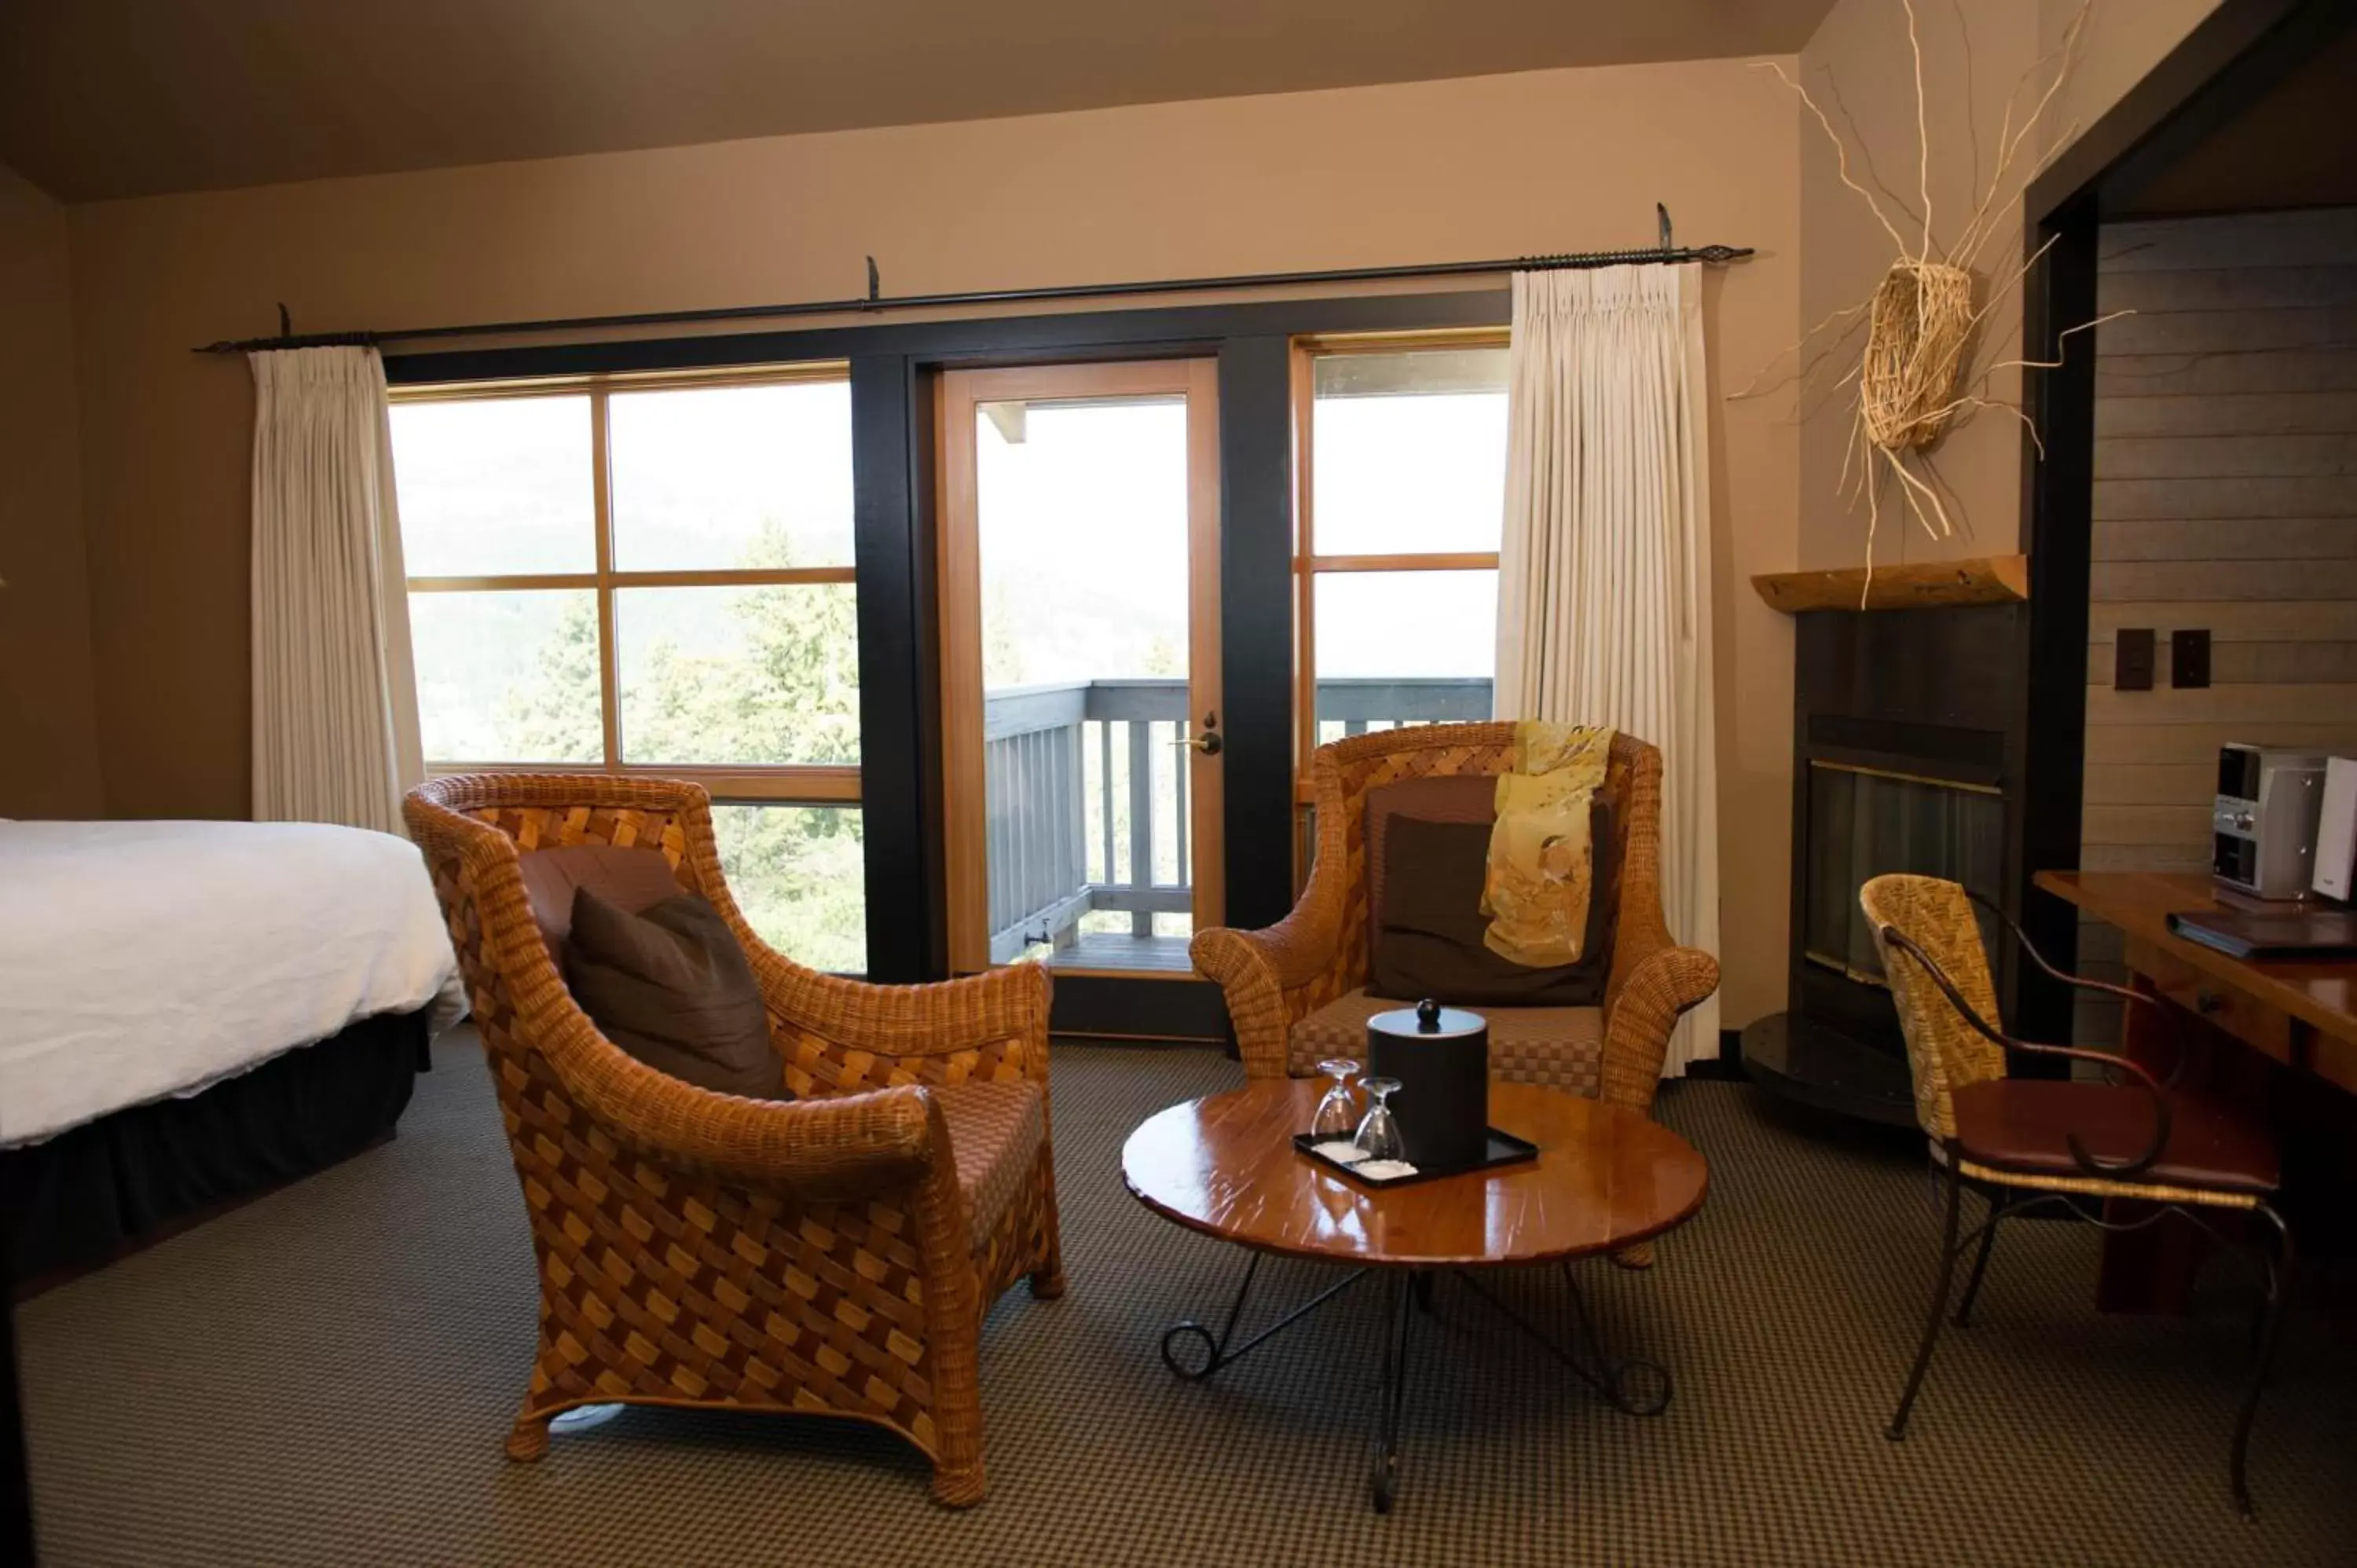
<point x="1079" y="562"/>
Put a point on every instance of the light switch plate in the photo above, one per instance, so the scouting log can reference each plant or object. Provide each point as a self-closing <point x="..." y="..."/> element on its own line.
<point x="2132" y="660"/>
<point x="2188" y="660"/>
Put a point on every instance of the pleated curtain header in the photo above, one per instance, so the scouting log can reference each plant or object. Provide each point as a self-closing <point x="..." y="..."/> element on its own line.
<point x="1540" y="296"/>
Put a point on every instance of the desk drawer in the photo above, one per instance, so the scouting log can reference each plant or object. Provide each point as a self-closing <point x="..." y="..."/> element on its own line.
<point x="2267" y="1030"/>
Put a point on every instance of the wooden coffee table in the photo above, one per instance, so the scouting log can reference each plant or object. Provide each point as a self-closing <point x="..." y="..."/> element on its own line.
<point x="1606" y="1178"/>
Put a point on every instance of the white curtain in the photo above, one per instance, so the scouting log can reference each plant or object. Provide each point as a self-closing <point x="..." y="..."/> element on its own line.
<point x="1604" y="569"/>
<point x="335" y="711"/>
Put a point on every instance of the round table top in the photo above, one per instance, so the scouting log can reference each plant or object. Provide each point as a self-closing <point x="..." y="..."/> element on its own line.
<point x="1605" y="1178"/>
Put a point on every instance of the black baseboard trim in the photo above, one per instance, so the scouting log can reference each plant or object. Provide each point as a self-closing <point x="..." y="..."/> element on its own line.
<point x="1724" y="1067"/>
<point x="1168" y="1010"/>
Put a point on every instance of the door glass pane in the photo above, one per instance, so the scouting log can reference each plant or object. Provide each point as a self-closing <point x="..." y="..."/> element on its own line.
<point x="711" y="477"/>
<point x="1083" y="517"/>
<point x="740" y="675"/>
<point x="493" y="486"/>
<point x="1403" y="648"/>
<point x="1408" y="452"/>
<point x="798" y="876"/>
<point x="508" y="676"/>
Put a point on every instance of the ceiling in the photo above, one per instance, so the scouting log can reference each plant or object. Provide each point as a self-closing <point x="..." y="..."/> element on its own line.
<point x="116" y="97"/>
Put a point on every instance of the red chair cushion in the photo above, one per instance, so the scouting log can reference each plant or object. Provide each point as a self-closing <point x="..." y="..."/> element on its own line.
<point x="2024" y="1125"/>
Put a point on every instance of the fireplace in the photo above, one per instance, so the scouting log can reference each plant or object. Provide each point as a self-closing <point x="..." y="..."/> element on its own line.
<point x="1864" y="823"/>
<point x="1908" y="746"/>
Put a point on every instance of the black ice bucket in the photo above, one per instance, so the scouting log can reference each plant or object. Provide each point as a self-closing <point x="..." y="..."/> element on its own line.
<point x="1440" y="1057"/>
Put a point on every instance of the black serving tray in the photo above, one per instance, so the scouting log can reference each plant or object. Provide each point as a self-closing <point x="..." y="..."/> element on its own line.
<point x="1506" y="1149"/>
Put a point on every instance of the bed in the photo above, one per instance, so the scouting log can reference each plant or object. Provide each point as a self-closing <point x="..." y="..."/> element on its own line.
<point x="194" y="1013"/>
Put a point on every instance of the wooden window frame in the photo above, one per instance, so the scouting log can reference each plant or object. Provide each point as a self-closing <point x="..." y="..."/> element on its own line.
<point x="780" y="784"/>
<point x="1308" y="563"/>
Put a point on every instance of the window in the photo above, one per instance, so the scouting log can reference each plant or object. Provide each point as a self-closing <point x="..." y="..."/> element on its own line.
<point x="654" y="575"/>
<point x="1401" y="482"/>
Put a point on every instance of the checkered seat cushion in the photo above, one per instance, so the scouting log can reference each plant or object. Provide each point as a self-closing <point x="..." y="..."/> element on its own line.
<point x="1562" y="1047"/>
<point x="995" y="1130"/>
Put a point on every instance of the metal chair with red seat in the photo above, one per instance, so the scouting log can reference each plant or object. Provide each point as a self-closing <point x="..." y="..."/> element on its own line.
<point x="2024" y="1142"/>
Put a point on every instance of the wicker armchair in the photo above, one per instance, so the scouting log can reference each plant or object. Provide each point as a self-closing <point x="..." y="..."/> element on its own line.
<point x="1315" y="959"/>
<point x="2025" y="1144"/>
<point x="833" y="1254"/>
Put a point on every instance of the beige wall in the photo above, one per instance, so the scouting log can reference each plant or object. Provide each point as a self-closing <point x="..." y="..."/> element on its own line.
<point x="49" y="739"/>
<point x="1974" y="56"/>
<point x="2123" y="40"/>
<point x="1500" y="166"/>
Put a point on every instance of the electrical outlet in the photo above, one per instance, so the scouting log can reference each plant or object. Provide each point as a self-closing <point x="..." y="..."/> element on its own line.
<point x="2189" y="659"/>
<point x="2132" y="660"/>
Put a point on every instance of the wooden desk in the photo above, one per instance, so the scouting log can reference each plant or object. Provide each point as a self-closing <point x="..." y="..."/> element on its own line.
<point x="2302" y="1017"/>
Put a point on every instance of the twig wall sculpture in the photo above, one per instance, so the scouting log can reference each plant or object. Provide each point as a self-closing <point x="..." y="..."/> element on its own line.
<point x="1915" y="378"/>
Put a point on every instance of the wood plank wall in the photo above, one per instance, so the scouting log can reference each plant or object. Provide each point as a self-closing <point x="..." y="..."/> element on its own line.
<point x="2225" y="498"/>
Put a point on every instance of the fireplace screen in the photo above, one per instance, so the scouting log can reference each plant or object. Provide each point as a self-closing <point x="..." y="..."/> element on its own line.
<point x="1863" y="823"/>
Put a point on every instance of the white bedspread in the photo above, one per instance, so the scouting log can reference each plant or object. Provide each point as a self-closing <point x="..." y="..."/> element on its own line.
<point x="141" y="959"/>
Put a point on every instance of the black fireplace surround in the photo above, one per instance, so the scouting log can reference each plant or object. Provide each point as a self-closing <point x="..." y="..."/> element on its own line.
<point x="1908" y="740"/>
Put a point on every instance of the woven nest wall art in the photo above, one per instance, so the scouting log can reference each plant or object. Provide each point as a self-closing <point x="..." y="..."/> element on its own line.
<point x="1925" y="363"/>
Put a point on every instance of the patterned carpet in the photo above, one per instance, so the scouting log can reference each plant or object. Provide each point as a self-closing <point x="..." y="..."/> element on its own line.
<point x="325" y="1377"/>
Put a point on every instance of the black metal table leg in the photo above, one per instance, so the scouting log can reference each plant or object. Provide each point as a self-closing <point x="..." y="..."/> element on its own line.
<point x="1218" y="1350"/>
<point x="1382" y="1483"/>
<point x="1629" y="1384"/>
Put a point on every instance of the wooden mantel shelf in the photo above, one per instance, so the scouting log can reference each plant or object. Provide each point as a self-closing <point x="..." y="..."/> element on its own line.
<point x="1979" y="580"/>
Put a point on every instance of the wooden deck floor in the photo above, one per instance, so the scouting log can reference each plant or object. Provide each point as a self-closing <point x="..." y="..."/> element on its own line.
<point x="1114" y="950"/>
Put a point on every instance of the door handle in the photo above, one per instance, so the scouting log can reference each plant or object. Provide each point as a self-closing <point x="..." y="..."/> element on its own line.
<point x="1209" y="744"/>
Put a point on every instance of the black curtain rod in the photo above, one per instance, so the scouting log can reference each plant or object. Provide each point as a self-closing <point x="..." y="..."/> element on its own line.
<point x="1663" y="254"/>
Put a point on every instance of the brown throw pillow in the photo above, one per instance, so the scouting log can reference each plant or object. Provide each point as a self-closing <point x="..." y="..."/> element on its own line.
<point x="671" y="986"/>
<point x="1435" y="798"/>
<point x="1430" y="930"/>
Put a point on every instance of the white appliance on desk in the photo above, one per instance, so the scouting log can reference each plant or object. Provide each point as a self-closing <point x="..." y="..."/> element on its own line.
<point x="2336" y="829"/>
<point x="2263" y="828"/>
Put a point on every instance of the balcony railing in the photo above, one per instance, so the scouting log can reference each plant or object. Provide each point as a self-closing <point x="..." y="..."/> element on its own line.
<point x="1087" y="799"/>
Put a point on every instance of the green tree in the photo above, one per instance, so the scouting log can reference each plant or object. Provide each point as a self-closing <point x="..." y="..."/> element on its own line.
<point x="557" y="714"/>
<point x="1002" y="658"/>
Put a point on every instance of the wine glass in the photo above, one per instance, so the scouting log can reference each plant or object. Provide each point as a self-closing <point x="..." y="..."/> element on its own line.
<point x="1379" y="1134"/>
<point x="1336" y="1117"/>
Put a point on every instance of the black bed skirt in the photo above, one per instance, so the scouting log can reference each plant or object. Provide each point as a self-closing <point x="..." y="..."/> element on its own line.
<point x="95" y="1191"/>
